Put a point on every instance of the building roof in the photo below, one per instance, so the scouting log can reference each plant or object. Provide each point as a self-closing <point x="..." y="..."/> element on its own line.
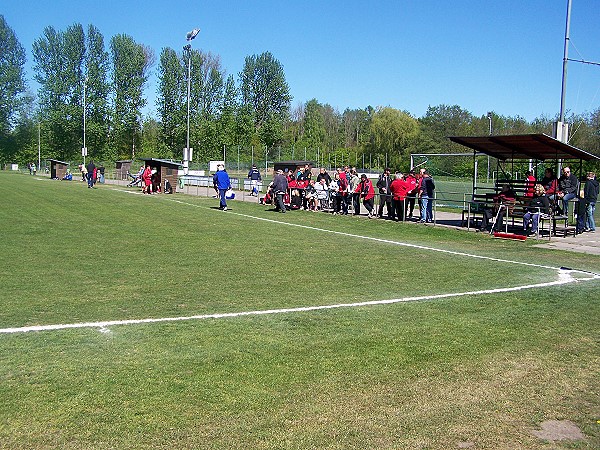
<point x="57" y="161"/>
<point x="162" y="162"/>
<point x="523" y="146"/>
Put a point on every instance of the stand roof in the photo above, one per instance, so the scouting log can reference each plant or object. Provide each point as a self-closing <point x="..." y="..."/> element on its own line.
<point x="523" y="146"/>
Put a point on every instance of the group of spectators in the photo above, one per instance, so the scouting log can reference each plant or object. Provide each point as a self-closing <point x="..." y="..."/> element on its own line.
<point x="550" y="195"/>
<point x="568" y="188"/>
<point x="149" y="179"/>
<point x="346" y="190"/>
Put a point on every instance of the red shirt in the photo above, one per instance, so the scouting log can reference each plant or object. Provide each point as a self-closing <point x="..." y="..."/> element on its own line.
<point x="529" y="185"/>
<point x="399" y="188"/>
<point x="365" y="188"/>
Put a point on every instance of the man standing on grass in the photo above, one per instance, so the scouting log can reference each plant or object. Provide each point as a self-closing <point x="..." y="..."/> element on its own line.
<point x="254" y="176"/>
<point x="590" y="197"/>
<point x="426" y="195"/>
<point x="221" y="183"/>
<point x="385" y="198"/>
<point x="280" y="186"/>
<point x="90" y="173"/>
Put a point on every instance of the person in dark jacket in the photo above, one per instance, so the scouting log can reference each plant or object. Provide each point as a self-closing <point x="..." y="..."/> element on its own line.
<point x="502" y="202"/>
<point x="323" y="175"/>
<point x="280" y="186"/>
<point x="254" y="176"/>
<point x="590" y="196"/>
<point x="426" y="195"/>
<point x="539" y="204"/>
<point x="91" y="167"/>
<point x="385" y="197"/>
<point x="567" y="188"/>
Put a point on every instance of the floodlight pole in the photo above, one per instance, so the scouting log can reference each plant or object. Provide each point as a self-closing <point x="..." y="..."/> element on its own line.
<point x="188" y="48"/>
<point x="84" y="149"/>
<point x="489" y="116"/>
<point x="565" y="61"/>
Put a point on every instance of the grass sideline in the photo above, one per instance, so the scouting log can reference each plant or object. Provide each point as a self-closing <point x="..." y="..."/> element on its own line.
<point x="477" y="369"/>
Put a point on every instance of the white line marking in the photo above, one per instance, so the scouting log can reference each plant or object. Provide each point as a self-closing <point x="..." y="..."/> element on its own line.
<point x="357" y="236"/>
<point x="564" y="277"/>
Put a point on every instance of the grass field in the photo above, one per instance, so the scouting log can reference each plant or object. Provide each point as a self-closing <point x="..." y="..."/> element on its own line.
<point x="479" y="370"/>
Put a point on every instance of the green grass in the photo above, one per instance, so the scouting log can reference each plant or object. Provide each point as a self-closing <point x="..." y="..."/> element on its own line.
<point x="484" y="369"/>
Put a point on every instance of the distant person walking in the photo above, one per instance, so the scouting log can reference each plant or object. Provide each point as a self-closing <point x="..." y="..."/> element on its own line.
<point x="280" y="186"/>
<point x="91" y="167"/>
<point x="254" y="176"/>
<point x="221" y="183"/>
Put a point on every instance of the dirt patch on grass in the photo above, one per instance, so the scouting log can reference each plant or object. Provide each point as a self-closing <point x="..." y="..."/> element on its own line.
<point x="559" y="430"/>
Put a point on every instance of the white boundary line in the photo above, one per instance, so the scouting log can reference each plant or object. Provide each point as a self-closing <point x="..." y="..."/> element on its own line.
<point x="564" y="277"/>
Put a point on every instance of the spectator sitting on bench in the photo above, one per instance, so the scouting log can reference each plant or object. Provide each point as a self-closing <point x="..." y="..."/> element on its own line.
<point x="567" y="188"/>
<point x="506" y="196"/>
<point x="539" y="205"/>
<point x="310" y="194"/>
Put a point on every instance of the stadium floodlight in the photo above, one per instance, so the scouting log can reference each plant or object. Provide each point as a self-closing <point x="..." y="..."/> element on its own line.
<point x="192" y="34"/>
<point x="188" y="49"/>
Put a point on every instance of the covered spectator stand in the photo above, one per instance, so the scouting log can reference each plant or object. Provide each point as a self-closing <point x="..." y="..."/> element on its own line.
<point x="58" y="169"/>
<point x="165" y="171"/>
<point x="540" y="150"/>
<point x="524" y="147"/>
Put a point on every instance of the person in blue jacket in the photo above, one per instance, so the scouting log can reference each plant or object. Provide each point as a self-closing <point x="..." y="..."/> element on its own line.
<point x="221" y="183"/>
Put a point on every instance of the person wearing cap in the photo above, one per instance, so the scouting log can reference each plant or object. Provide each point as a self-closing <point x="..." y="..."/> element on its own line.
<point x="383" y="184"/>
<point x="254" y="176"/>
<point x="280" y="186"/>
<point x="367" y="193"/>
<point x="221" y="183"/>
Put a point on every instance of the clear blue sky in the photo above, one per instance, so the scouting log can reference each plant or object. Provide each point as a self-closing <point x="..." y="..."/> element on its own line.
<point x="503" y="56"/>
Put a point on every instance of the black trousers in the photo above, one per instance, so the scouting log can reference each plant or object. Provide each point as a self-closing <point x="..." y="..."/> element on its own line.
<point x="398" y="209"/>
<point x="387" y="201"/>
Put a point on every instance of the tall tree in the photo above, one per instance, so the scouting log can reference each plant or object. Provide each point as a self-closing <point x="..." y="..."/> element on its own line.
<point x="12" y="86"/>
<point x="207" y="102"/>
<point x="131" y="67"/>
<point x="171" y="101"/>
<point x="97" y="93"/>
<point x="59" y="58"/>
<point x="227" y="121"/>
<point x="314" y="125"/>
<point x="394" y="132"/>
<point x="266" y="93"/>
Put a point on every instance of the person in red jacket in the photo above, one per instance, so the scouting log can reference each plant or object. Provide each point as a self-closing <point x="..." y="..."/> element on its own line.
<point x="529" y="184"/>
<point x="367" y="193"/>
<point x="399" y="188"/>
<point x="411" y="195"/>
<point x="147" y="177"/>
<point x="343" y="191"/>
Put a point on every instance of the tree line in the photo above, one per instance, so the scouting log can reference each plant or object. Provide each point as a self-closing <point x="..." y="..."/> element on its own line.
<point x="80" y="77"/>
